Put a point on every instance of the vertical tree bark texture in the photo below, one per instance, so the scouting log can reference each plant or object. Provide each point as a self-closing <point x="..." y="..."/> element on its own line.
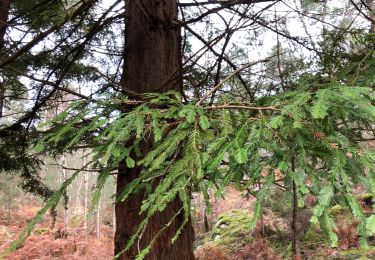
<point x="4" y="12"/>
<point x="152" y="46"/>
<point x="371" y="6"/>
<point x="152" y="63"/>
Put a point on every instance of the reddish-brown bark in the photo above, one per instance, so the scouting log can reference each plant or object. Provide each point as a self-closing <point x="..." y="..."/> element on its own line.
<point x="4" y="12"/>
<point x="152" y="63"/>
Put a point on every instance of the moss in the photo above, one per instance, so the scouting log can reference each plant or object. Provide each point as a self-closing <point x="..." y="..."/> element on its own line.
<point x="366" y="196"/>
<point x="341" y="214"/>
<point x="75" y="221"/>
<point x="231" y="229"/>
<point x="357" y="253"/>
<point x="336" y="210"/>
<point x="40" y="231"/>
<point x="368" y="199"/>
<point x="313" y="236"/>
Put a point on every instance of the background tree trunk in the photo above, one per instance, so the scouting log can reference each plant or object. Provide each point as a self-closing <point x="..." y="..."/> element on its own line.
<point x="77" y="206"/>
<point x="98" y="218"/>
<point x="4" y="12"/>
<point x="371" y="13"/>
<point x="64" y="177"/>
<point x="114" y="212"/>
<point x="85" y="203"/>
<point x="152" y="63"/>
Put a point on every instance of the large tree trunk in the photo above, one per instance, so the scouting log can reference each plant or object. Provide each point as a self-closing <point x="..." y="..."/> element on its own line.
<point x="4" y="12"/>
<point x="152" y="63"/>
<point x="371" y="14"/>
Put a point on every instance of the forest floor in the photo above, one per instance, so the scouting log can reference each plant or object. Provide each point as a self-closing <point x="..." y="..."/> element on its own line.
<point x="228" y="237"/>
<point x="46" y="242"/>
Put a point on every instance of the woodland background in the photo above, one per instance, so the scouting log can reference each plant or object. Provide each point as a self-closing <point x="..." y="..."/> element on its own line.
<point x="264" y="137"/>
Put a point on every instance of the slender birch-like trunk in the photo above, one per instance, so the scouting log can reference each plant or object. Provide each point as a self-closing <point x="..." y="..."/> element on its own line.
<point x="98" y="218"/>
<point x="85" y="198"/>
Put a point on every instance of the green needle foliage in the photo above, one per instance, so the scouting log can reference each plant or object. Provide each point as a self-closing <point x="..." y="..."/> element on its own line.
<point x="310" y="135"/>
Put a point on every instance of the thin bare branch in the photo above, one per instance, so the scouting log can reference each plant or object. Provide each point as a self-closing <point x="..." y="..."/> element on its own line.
<point x="229" y="77"/>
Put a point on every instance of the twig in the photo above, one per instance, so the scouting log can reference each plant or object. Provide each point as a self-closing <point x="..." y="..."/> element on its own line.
<point x="242" y="107"/>
<point x="229" y="77"/>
